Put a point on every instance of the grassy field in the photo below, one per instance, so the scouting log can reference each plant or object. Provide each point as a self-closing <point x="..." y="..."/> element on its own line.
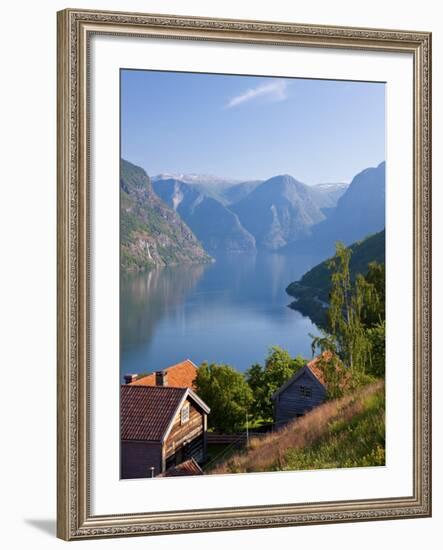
<point x="346" y="432"/>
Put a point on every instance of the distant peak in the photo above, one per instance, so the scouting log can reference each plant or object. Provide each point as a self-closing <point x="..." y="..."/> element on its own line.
<point x="330" y="186"/>
<point x="195" y="178"/>
<point x="284" y="179"/>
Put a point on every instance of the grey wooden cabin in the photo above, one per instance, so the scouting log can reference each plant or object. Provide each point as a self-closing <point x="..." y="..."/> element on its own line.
<point x="300" y="394"/>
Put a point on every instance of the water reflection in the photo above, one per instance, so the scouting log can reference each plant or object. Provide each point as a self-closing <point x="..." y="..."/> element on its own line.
<point x="230" y="311"/>
<point x="146" y="297"/>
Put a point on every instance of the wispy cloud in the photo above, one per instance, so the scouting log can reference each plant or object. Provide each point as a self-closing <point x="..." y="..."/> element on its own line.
<point x="272" y="91"/>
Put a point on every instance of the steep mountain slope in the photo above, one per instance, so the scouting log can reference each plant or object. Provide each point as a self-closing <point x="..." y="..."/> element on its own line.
<point x="151" y="233"/>
<point x="360" y="211"/>
<point x="279" y="211"/>
<point x="217" y="228"/>
<point x="328" y="194"/>
<point x="226" y="191"/>
<point x="238" y="191"/>
<point x="210" y="186"/>
<point x="312" y="290"/>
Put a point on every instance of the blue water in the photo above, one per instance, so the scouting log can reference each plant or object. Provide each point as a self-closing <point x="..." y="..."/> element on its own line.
<point x="230" y="311"/>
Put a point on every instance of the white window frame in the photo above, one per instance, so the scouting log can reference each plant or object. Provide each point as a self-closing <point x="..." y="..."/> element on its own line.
<point x="184" y="413"/>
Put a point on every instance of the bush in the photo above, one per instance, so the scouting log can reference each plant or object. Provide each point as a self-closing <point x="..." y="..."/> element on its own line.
<point x="228" y="395"/>
<point x="265" y="381"/>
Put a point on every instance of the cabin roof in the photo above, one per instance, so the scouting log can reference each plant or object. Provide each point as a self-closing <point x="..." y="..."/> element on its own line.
<point x="180" y="375"/>
<point x="312" y="368"/>
<point x="147" y="412"/>
<point x="188" y="468"/>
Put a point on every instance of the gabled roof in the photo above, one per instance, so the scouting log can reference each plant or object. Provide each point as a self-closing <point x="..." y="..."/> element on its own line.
<point x="313" y="366"/>
<point x="147" y="412"/>
<point x="188" y="468"/>
<point x="312" y="369"/>
<point x="181" y="375"/>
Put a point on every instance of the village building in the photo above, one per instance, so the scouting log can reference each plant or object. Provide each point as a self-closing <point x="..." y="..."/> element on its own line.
<point x="300" y="394"/>
<point x="181" y="375"/>
<point x="161" y="428"/>
<point x="187" y="468"/>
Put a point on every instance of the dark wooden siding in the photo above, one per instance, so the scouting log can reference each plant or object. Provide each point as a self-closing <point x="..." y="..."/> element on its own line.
<point x="291" y="402"/>
<point x="186" y="440"/>
<point x="138" y="457"/>
<point x="194" y="449"/>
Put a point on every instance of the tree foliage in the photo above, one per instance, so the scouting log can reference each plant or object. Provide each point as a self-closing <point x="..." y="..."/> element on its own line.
<point x="377" y="335"/>
<point x="227" y="393"/>
<point x="374" y="308"/>
<point x="356" y="317"/>
<point x="345" y="311"/>
<point x="265" y="380"/>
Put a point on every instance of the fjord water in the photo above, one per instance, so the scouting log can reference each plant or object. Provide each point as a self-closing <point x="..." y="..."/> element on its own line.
<point x="230" y="311"/>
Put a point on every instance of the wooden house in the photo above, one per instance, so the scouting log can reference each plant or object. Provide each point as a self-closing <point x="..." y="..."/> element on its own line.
<point x="300" y="394"/>
<point x="181" y="375"/>
<point x="189" y="467"/>
<point x="161" y="427"/>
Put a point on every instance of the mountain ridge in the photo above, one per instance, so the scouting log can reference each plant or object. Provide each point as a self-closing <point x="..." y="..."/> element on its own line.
<point x="224" y="215"/>
<point x="278" y="211"/>
<point x="215" y="225"/>
<point x="151" y="234"/>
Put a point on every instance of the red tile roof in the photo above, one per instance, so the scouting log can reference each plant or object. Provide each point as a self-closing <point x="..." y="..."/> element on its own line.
<point x="316" y="366"/>
<point x="181" y="375"/>
<point x="146" y="412"/>
<point x="188" y="468"/>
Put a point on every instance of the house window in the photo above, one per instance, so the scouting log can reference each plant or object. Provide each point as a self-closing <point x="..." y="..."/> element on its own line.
<point x="184" y="413"/>
<point x="305" y="391"/>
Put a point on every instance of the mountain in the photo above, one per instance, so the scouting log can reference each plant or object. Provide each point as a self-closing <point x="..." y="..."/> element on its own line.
<point x="329" y="193"/>
<point x="217" y="228"/>
<point x="196" y="179"/>
<point x="279" y="211"/>
<point x="151" y="233"/>
<point x="210" y="186"/>
<point x="224" y="190"/>
<point x="312" y="290"/>
<point x="360" y="211"/>
<point x="238" y="191"/>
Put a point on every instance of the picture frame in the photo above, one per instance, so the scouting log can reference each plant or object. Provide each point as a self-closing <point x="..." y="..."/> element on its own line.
<point x="76" y="518"/>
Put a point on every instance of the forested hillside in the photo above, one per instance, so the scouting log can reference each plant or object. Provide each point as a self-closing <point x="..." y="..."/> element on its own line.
<point x="151" y="233"/>
<point x="312" y="290"/>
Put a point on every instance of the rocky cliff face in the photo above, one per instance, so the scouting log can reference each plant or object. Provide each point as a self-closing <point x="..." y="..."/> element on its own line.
<point x="151" y="233"/>
<point x="172" y="221"/>
<point x="360" y="211"/>
<point x="279" y="211"/>
<point x="215" y="225"/>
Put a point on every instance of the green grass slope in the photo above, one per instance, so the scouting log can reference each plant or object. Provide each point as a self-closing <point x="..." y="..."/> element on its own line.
<point x="343" y="433"/>
<point x="359" y="441"/>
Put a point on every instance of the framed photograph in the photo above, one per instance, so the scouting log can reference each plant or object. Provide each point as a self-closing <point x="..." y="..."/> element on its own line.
<point x="244" y="248"/>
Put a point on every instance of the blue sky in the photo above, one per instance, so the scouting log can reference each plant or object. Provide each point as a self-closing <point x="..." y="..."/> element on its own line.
<point x="251" y="127"/>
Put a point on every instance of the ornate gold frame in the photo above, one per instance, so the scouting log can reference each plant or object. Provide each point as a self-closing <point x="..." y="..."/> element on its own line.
<point x="75" y="27"/>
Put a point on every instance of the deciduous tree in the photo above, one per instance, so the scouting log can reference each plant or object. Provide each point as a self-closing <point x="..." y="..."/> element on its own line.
<point x="265" y="380"/>
<point x="226" y="392"/>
